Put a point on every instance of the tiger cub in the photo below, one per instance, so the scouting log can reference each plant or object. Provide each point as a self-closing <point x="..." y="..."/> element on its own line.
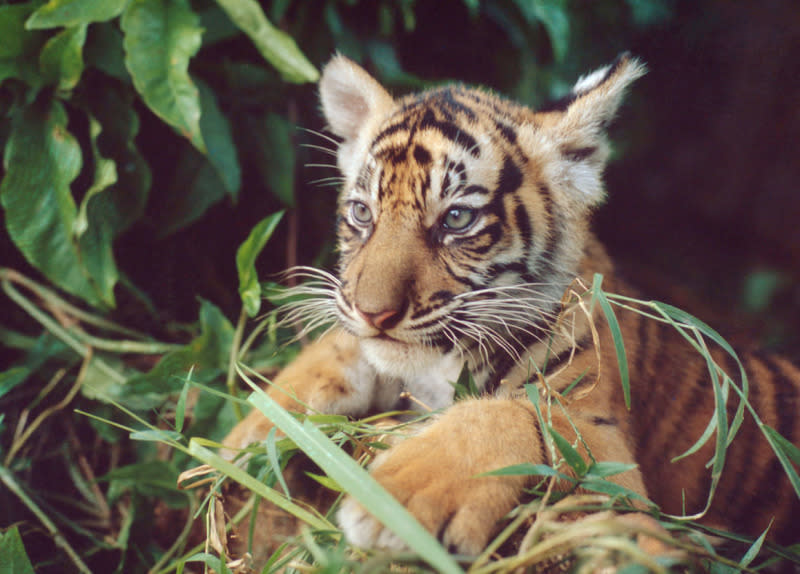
<point x="463" y="220"/>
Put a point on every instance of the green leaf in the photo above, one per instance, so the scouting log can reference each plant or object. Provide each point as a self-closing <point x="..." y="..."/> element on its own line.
<point x="604" y="469"/>
<point x="611" y="489"/>
<point x="61" y="60"/>
<point x="553" y="16"/>
<point x="73" y="12"/>
<point x="11" y="378"/>
<point x="156" y="435"/>
<point x="154" y="479"/>
<point x="279" y="158"/>
<point x="41" y="160"/>
<point x="277" y="47"/>
<point x="217" y="134"/>
<point x="161" y="36"/>
<point x="571" y="456"/>
<point x="786" y="453"/>
<point x="195" y="187"/>
<point x="465" y="386"/>
<point x="19" y="48"/>
<point x="105" y="174"/>
<point x="13" y="557"/>
<point x="206" y="357"/>
<point x="249" y="288"/>
<point x="526" y="469"/>
<point x="616" y="335"/>
<point x="351" y="477"/>
<point x="180" y="407"/>
<point x="326" y="481"/>
<point x="123" y="203"/>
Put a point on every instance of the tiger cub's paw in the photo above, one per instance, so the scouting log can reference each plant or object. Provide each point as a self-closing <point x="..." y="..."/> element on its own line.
<point x="435" y="475"/>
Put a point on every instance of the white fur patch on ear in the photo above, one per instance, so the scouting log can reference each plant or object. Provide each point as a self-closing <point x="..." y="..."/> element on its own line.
<point x="580" y="131"/>
<point x="350" y="97"/>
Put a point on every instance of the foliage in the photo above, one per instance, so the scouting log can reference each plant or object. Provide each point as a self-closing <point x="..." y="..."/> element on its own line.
<point x="149" y="147"/>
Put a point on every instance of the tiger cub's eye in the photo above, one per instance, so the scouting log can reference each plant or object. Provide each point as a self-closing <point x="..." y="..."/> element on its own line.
<point x="458" y="219"/>
<point x="360" y="213"/>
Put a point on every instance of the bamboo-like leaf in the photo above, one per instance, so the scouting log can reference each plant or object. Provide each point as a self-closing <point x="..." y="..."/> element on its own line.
<point x="277" y="47"/>
<point x="786" y="453"/>
<point x="355" y="480"/>
<point x="616" y="334"/>
<point x="161" y="36"/>
<point x="74" y="12"/>
<point x="249" y="288"/>
<point x="571" y="456"/>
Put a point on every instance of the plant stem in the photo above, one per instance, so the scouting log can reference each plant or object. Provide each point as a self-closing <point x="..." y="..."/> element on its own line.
<point x="234" y="357"/>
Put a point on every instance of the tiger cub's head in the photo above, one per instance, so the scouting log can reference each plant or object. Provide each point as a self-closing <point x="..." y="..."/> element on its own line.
<point x="463" y="216"/>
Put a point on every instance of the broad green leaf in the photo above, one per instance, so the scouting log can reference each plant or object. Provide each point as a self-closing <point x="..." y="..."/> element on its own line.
<point x="277" y="47"/>
<point x="274" y="461"/>
<point x="553" y="16"/>
<point x="104" y="51"/>
<point x="13" y="558"/>
<point x="194" y="188"/>
<point x="571" y="456"/>
<point x="123" y="203"/>
<point x="161" y="36"/>
<point x="249" y="287"/>
<point x="217" y="134"/>
<point x="74" y="12"/>
<point x="351" y="477"/>
<point x="41" y="160"/>
<point x="105" y="174"/>
<point x="465" y="386"/>
<point x="279" y="158"/>
<point x="616" y="334"/>
<point x="19" y="48"/>
<point x="61" y="60"/>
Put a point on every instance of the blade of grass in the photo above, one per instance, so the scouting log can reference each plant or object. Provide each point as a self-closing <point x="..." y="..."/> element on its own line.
<point x="237" y="474"/>
<point x="616" y="334"/>
<point x="355" y="480"/>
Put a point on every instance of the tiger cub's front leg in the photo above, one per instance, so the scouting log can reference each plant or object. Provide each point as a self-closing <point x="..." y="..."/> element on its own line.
<point x="435" y="474"/>
<point x="329" y="376"/>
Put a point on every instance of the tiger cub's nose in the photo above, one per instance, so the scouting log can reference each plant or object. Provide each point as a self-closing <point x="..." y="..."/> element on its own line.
<point x="383" y="320"/>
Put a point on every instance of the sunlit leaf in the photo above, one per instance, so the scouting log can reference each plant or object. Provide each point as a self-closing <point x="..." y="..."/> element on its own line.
<point x="161" y="36"/>
<point x="73" y="12"/>
<point x="41" y="160"/>
<point x="249" y="287"/>
<point x="277" y="47"/>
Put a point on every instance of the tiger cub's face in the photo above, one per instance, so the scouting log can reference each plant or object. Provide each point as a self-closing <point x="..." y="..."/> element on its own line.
<point x="462" y="217"/>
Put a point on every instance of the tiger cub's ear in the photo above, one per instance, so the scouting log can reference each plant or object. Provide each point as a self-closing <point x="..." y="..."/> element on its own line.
<point x="578" y="124"/>
<point x="350" y="97"/>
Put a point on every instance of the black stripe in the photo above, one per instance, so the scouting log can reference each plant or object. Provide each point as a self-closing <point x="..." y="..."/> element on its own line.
<point x="450" y="131"/>
<point x="523" y="221"/>
<point x="510" y="179"/>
